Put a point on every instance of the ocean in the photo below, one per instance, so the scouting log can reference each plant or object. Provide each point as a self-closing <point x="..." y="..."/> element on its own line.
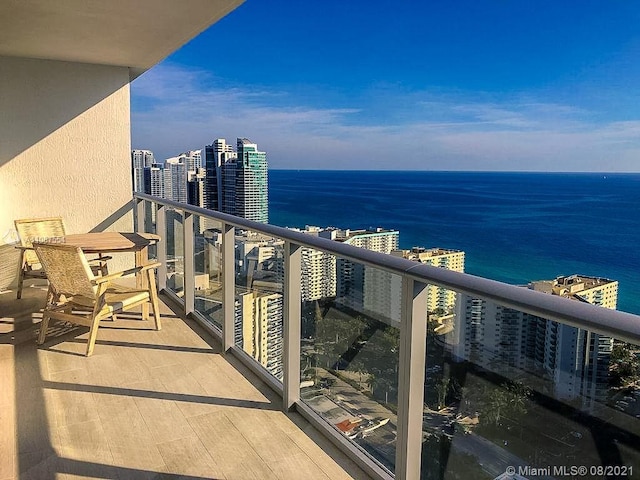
<point x="513" y="227"/>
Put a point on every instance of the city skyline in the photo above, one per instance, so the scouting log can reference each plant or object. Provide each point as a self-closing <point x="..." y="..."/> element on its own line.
<point x="419" y="87"/>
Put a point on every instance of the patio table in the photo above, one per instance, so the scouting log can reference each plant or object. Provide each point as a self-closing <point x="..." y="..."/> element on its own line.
<point x="117" y="242"/>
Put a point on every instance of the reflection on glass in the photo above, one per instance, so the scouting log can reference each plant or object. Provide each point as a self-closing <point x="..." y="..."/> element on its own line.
<point x="175" y="251"/>
<point x="208" y="269"/>
<point x="350" y="350"/>
<point x="259" y="272"/>
<point x="505" y="388"/>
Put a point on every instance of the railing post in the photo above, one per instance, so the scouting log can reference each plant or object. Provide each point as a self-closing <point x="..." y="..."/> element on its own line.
<point x="228" y="285"/>
<point x="138" y="214"/>
<point x="292" y="311"/>
<point x="413" y="337"/>
<point x="161" y="230"/>
<point x="189" y="282"/>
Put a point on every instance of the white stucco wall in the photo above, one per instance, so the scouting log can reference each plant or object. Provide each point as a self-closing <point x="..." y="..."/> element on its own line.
<point x="65" y="143"/>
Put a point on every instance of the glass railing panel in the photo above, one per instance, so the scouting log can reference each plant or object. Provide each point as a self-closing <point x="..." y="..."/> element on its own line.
<point x="507" y="391"/>
<point x="258" y="308"/>
<point x="350" y="350"/>
<point x="150" y="216"/>
<point x="175" y="250"/>
<point x="208" y="269"/>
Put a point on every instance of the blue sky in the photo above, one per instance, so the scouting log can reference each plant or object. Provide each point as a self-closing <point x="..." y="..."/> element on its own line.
<point x="419" y="85"/>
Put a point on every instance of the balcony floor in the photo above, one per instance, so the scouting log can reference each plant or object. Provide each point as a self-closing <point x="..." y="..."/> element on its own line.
<point x="147" y="404"/>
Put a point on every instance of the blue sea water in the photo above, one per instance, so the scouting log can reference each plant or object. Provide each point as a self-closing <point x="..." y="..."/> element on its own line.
<point x="513" y="227"/>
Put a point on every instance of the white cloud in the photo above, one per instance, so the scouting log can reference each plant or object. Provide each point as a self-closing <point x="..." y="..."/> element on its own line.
<point x="176" y="109"/>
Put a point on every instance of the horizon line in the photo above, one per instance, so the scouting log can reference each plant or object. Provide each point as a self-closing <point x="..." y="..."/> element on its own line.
<point x="560" y="172"/>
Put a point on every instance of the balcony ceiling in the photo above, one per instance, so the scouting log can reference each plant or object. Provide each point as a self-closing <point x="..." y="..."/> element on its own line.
<point x="136" y="34"/>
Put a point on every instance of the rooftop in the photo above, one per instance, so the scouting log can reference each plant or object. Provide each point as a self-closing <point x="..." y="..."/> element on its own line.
<point x="421" y="252"/>
<point x="568" y="286"/>
<point x="146" y="404"/>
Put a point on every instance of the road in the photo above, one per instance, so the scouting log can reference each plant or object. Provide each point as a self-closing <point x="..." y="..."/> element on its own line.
<point x="493" y="459"/>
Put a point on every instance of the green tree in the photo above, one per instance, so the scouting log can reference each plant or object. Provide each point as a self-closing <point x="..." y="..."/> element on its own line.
<point x="509" y="399"/>
<point x="371" y="381"/>
<point x="624" y="364"/>
<point x="358" y="366"/>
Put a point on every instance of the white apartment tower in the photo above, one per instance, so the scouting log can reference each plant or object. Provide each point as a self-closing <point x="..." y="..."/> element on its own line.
<point x="318" y="278"/>
<point x="258" y="319"/>
<point x="175" y="179"/>
<point x="353" y="279"/>
<point x="439" y="299"/>
<point x="259" y="328"/>
<point x="154" y="178"/>
<point x="193" y="160"/>
<point x="576" y="361"/>
<point x="140" y="159"/>
<point x="318" y="270"/>
<point x="171" y="180"/>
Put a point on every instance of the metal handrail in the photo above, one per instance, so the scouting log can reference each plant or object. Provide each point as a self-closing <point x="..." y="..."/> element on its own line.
<point x="620" y="325"/>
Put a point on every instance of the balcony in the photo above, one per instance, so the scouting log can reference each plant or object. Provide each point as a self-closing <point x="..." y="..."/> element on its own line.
<point x="363" y="384"/>
<point x="362" y="387"/>
<point x="370" y="368"/>
<point x="147" y="404"/>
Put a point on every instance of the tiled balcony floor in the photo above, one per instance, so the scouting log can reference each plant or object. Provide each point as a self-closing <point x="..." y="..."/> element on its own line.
<point x="147" y="404"/>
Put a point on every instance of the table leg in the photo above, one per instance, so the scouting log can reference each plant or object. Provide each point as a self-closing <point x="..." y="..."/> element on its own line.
<point x="142" y="258"/>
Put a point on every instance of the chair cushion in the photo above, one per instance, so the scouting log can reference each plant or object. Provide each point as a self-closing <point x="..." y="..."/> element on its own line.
<point x="121" y="301"/>
<point x="117" y="297"/>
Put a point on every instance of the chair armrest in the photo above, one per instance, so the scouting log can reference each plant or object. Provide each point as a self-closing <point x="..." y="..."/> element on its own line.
<point x="23" y="248"/>
<point x="131" y="271"/>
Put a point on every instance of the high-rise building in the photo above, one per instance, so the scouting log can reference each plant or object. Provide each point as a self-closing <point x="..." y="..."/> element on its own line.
<point x="231" y="182"/>
<point x="251" y="196"/>
<point x="167" y="179"/>
<point x="575" y="360"/>
<point x="228" y="194"/>
<point x="237" y="182"/>
<point x="439" y="299"/>
<point x="382" y="291"/>
<point x="259" y="328"/>
<point x="154" y="180"/>
<point x="351" y="281"/>
<point x="218" y="154"/>
<point x="175" y="179"/>
<point x="196" y="195"/>
<point x="260" y="260"/>
<point x="376" y="240"/>
<point x="318" y="271"/>
<point x="196" y="188"/>
<point x="140" y="159"/>
<point x="193" y="160"/>
<point x="171" y="180"/>
<point x="258" y="318"/>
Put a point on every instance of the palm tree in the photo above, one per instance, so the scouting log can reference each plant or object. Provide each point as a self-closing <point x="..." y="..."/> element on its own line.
<point x="442" y="387"/>
<point x="358" y="366"/>
<point x="372" y="381"/>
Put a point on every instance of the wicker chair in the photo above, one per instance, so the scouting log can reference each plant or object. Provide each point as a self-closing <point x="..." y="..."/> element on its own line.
<point x="80" y="297"/>
<point x="43" y="229"/>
